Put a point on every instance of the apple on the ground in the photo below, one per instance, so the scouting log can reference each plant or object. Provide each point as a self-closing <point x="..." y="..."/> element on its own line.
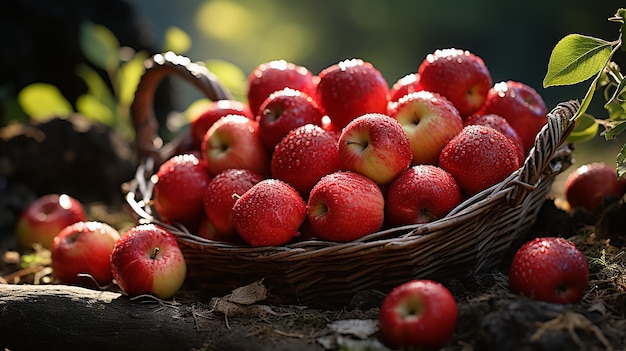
<point x="45" y="217"/>
<point x="84" y="248"/>
<point x="549" y="269"/>
<point x="418" y="314"/>
<point x="592" y="185"/>
<point x="147" y="260"/>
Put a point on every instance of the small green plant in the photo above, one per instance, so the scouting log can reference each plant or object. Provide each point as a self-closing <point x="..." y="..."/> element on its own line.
<point x="123" y="67"/>
<point x="577" y="58"/>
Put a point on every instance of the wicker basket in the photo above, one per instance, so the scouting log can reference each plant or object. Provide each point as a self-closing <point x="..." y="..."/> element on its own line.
<point x="472" y="237"/>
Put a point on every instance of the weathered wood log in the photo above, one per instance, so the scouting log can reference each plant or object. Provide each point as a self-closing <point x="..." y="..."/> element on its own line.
<point x="50" y="317"/>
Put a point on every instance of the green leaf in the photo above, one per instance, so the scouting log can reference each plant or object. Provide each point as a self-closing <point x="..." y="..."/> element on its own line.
<point x="613" y="129"/>
<point x="129" y="76"/>
<point x="615" y="109"/>
<point x="576" y="58"/>
<point x="176" y="40"/>
<point x="585" y="130"/>
<point x="96" y="86"/>
<point x="93" y="109"/>
<point x="621" y="163"/>
<point x="99" y="45"/>
<point x="231" y="76"/>
<point x="42" y="101"/>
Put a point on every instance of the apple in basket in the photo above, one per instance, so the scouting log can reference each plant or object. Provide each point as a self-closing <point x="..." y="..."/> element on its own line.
<point x="549" y="269"/>
<point x="418" y="314"/>
<point x="459" y="75"/>
<point x="376" y="146"/>
<point x="220" y="196"/>
<point x="305" y="155"/>
<point x="590" y="186"/>
<point x="522" y="107"/>
<point x="501" y="125"/>
<point x="213" y="112"/>
<point x="351" y="88"/>
<point x="410" y="83"/>
<point x="421" y="194"/>
<point x="45" y="217"/>
<point x="345" y="206"/>
<point x="147" y="259"/>
<point x="272" y="76"/>
<point x="479" y="157"/>
<point x="283" y="111"/>
<point x="178" y="191"/>
<point x="234" y="142"/>
<point x="429" y="120"/>
<point x="268" y="214"/>
<point x="84" y="248"/>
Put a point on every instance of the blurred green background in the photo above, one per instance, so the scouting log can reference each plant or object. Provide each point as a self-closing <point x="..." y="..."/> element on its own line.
<point x="514" y="39"/>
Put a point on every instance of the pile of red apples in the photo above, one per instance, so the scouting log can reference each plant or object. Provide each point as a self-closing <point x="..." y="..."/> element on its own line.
<point x="342" y="154"/>
<point x="334" y="156"/>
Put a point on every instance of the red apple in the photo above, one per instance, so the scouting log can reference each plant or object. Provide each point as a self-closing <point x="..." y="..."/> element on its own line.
<point x="84" y="248"/>
<point x="421" y="194"/>
<point x="403" y="86"/>
<point x="459" y="75"/>
<point x="345" y="206"/>
<point x="549" y="269"/>
<point x="269" y="214"/>
<point x="207" y="230"/>
<point x="45" y="217"/>
<point x="275" y="75"/>
<point x="234" y="142"/>
<point x="147" y="259"/>
<point x="522" y="107"/>
<point x="589" y="186"/>
<point x="376" y="146"/>
<point x="180" y="184"/>
<point x="501" y="125"/>
<point x="214" y="111"/>
<point x="418" y="314"/>
<point x="283" y="111"/>
<point x="305" y="155"/>
<point x="220" y="196"/>
<point x="351" y="88"/>
<point x="429" y="120"/>
<point x="479" y="157"/>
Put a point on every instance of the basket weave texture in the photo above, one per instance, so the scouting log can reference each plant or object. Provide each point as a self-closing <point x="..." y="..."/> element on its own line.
<point x="471" y="238"/>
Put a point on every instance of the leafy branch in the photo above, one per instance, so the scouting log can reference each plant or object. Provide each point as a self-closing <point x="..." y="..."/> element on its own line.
<point x="577" y="58"/>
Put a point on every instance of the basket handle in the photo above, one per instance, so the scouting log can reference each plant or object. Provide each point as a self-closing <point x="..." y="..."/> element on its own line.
<point x="157" y="67"/>
<point x="547" y="156"/>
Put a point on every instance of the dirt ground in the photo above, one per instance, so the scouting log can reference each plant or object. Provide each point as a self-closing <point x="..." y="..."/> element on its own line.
<point x="490" y="316"/>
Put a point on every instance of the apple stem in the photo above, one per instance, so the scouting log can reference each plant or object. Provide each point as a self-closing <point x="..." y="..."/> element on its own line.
<point x="154" y="253"/>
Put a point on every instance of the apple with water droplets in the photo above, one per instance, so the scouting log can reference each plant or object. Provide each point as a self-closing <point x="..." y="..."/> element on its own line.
<point x="148" y="260"/>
